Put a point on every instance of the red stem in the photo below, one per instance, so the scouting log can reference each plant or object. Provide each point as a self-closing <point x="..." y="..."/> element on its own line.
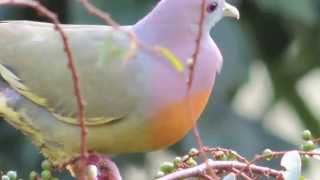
<point x="192" y="65"/>
<point x="198" y="44"/>
<point x="43" y="11"/>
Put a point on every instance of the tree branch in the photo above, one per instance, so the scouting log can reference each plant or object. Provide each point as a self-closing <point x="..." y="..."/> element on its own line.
<point x="220" y="165"/>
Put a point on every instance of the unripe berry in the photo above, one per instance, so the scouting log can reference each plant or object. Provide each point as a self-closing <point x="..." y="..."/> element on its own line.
<point x="306" y="135"/>
<point x="167" y="167"/>
<point x="268" y="154"/>
<point x="193" y="151"/>
<point x="33" y="175"/>
<point x="191" y="162"/>
<point x="160" y="174"/>
<point x="46" y="165"/>
<point x="12" y="175"/>
<point x="308" y="146"/>
<point x="177" y="161"/>
<point x="46" y="175"/>
<point x="5" y="177"/>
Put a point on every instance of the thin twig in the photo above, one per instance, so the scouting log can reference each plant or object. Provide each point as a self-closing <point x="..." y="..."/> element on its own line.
<point x="224" y="150"/>
<point x="242" y="174"/>
<point x="196" y="52"/>
<point x="107" y="19"/>
<point x="43" y="11"/>
<point x="92" y="10"/>
<point x="220" y="165"/>
<point x="275" y="154"/>
<point x="190" y="81"/>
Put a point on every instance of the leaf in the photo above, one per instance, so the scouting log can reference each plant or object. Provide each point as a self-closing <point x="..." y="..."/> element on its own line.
<point x="230" y="176"/>
<point x="291" y="161"/>
<point x="172" y="58"/>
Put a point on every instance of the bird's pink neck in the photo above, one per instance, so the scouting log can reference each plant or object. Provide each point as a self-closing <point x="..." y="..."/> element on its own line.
<point x="164" y="20"/>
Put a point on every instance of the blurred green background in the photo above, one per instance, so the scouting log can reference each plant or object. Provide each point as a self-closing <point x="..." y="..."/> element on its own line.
<point x="267" y="93"/>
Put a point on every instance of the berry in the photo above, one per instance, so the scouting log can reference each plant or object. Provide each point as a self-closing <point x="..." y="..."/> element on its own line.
<point x="192" y="162"/>
<point x="46" y="165"/>
<point x="193" y="151"/>
<point x="306" y="135"/>
<point x="268" y="154"/>
<point x="12" y="175"/>
<point x="167" y="167"/>
<point x="177" y="161"/>
<point x="5" y="177"/>
<point x="33" y="175"/>
<point x="46" y="175"/>
<point x="308" y="146"/>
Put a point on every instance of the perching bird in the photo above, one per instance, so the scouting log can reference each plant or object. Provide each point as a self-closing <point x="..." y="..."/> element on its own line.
<point x="136" y="107"/>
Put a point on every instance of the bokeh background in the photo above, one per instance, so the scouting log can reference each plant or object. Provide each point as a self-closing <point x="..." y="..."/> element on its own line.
<point x="266" y="95"/>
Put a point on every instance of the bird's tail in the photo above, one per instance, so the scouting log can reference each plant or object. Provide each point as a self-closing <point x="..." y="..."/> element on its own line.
<point x="23" y="114"/>
<point x="14" y="109"/>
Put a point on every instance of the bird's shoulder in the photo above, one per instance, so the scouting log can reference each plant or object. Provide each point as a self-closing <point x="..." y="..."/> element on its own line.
<point x="35" y="26"/>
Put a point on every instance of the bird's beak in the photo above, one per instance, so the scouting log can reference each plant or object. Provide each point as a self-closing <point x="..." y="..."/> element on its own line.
<point x="231" y="11"/>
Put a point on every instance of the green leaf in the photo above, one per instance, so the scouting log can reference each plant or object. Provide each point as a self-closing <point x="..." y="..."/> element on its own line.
<point x="172" y="58"/>
<point x="291" y="161"/>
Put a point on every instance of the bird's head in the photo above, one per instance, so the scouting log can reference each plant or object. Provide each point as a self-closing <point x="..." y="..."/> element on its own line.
<point x="179" y="12"/>
<point x="215" y="10"/>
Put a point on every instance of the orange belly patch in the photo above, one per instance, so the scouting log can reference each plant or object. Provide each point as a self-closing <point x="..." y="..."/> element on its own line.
<point x="173" y="122"/>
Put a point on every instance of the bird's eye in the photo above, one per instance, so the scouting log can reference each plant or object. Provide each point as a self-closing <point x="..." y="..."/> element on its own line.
<point x="212" y="7"/>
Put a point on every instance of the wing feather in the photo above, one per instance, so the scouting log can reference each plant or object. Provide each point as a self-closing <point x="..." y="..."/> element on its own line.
<point x="35" y="53"/>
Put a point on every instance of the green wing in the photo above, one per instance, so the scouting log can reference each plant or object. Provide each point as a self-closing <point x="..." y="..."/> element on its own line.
<point x="32" y="62"/>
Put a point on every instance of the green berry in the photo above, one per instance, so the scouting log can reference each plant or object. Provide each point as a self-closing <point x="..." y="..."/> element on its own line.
<point x="46" y="175"/>
<point x="308" y="146"/>
<point x="193" y="151"/>
<point x="177" y="161"/>
<point x="185" y="157"/>
<point x="268" y="154"/>
<point x="5" y="177"/>
<point x="220" y="156"/>
<point x="232" y="155"/>
<point x="306" y="135"/>
<point x="167" y="167"/>
<point x="12" y="175"/>
<point x="191" y="162"/>
<point x="46" y="165"/>
<point x="33" y="175"/>
<point x="160" y="174"/>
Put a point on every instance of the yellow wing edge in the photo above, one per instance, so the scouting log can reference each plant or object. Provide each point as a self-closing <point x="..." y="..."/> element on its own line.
<point x="16" y="84"/>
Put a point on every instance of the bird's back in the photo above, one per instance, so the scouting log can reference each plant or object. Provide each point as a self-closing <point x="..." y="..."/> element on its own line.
<point x="34" y="53"/>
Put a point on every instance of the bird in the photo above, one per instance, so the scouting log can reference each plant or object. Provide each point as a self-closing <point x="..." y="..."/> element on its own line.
<point x="137" y="106"/>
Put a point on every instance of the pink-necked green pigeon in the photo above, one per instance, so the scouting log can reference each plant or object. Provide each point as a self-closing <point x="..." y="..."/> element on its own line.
<point x="136" y="106"/>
